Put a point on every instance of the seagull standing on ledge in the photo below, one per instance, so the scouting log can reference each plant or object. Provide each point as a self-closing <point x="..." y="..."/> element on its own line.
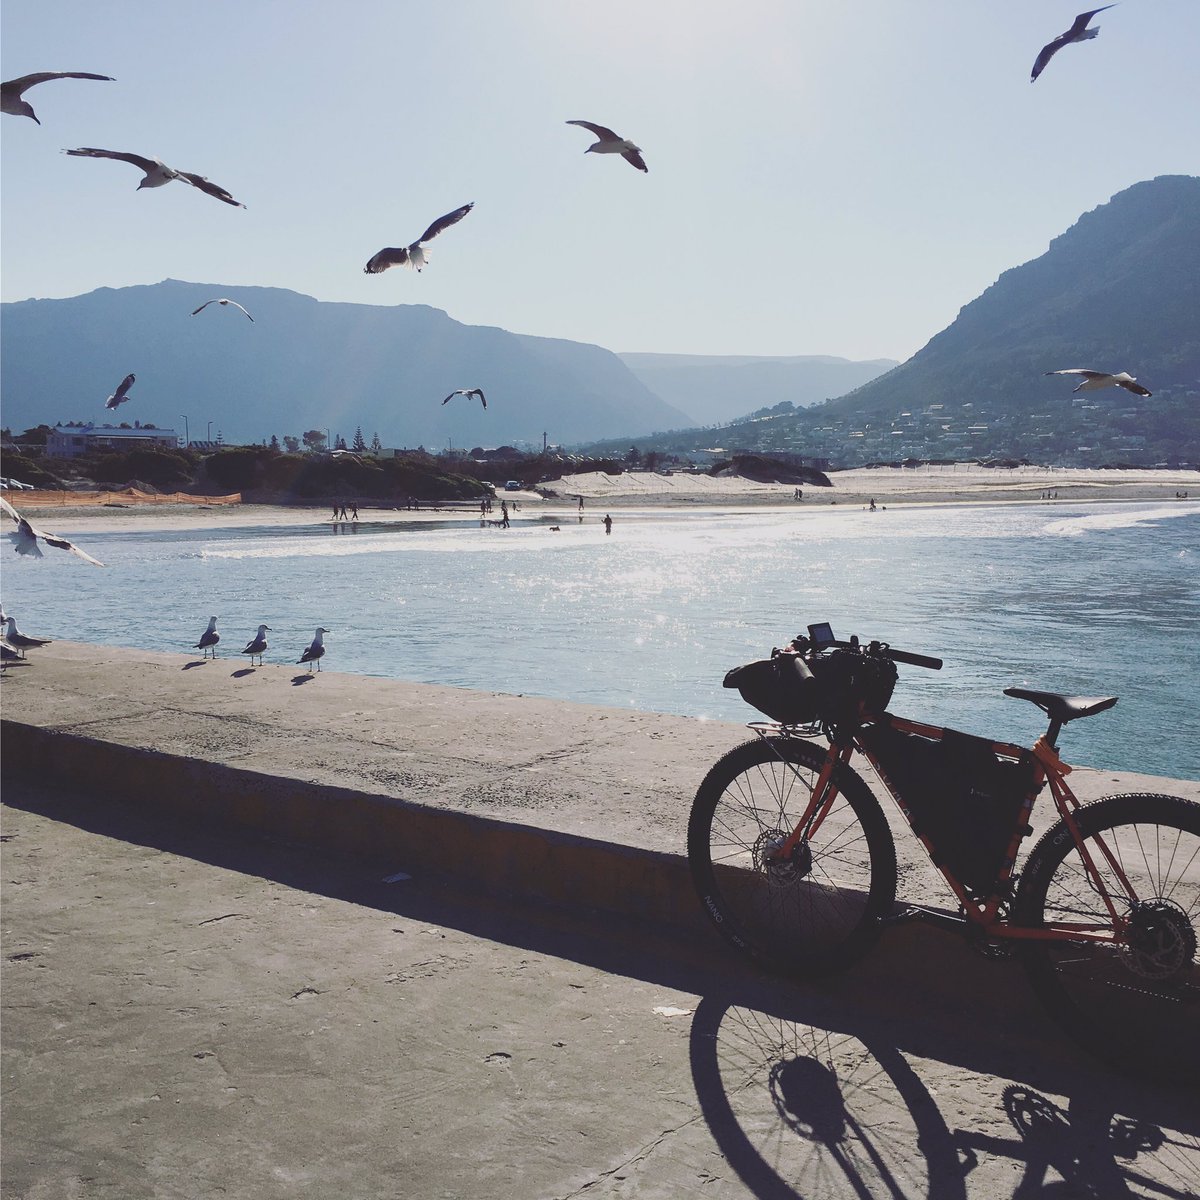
<point x="612" y="143"/>
<point x="208" y="302"/>
<point x="415" y="256"/>
<point x="18" y="641"/>
<point x="122" y="393"/>
<point x="257" y="646"/>
<point x="209" y="639"/>
<point x="10" y="92"/>
<point x="1100" y="379"/>
<point x="158" y="174"/>
<point x="468" y="392"/>
<point x="25" y="538"/>
<point x="1079" y="32"/>
<point x="315" y="652"/>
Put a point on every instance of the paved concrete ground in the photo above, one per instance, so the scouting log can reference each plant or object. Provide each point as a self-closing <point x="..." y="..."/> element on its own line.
<point x="208" y="989"/>
<point x="190" y="1015"/>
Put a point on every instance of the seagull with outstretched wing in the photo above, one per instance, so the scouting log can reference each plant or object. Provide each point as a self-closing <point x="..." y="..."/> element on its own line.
<point x="468" y="392"/>
<point x="613" y="143"/>
<point x="122" y="393"/>
<point x="157" y="173"/>
<point x="12" y="102"/>
<point x="25" y="538"/>
<point x="415" y="256"/>
<point x="1079" y="32"/>
<point x="221" y="302"/>
<point x="1102" y="379"/>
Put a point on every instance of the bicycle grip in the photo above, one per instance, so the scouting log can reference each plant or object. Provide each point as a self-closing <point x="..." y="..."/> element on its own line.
<point x="803" y="674"/>
<point x="915" y="660"/>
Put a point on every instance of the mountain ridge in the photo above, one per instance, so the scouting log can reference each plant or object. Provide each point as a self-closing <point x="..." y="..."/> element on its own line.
<point x="307" y="363"/>
<point x="715" y="388"/>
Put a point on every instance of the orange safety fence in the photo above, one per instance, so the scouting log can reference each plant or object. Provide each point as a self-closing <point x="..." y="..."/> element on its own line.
<point x="43" y="498"/>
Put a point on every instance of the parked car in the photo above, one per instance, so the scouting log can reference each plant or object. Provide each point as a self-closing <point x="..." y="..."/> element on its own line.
<point x="513" y="485"/>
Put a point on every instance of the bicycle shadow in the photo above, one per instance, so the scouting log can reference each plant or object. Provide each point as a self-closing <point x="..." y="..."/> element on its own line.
<point x="1093" y="1150"/>
<point x="809" y="1099"/>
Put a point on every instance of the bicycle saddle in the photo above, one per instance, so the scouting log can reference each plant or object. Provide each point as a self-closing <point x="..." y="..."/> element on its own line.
<point x="1063" y="708"/>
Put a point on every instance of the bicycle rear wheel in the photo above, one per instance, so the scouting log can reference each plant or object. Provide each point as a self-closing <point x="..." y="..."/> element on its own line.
<point x="818" y="909"/>
<point x="1136" y="1000"/>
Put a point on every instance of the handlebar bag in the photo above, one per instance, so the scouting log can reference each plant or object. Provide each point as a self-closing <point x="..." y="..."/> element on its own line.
<point x="959" y="794"/>
<point x="849" y="679"/>
<point x="772" y="686"/>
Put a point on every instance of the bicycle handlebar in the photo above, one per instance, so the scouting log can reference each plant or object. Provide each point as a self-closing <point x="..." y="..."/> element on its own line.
<point x="914" y="660"/>
<point x="803" y="644"/>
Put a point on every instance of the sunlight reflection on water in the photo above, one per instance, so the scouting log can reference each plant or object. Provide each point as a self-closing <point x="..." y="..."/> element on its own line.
<point x="1086" y="598"/>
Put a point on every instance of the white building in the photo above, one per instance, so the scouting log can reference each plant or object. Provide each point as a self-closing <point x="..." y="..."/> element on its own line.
<point x="70" y="441"/>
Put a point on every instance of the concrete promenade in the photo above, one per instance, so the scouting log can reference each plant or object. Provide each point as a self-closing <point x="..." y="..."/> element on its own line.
<point x="210" y="989"/>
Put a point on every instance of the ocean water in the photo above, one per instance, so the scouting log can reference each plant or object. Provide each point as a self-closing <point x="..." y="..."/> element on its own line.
<point x="1091" y="599"/>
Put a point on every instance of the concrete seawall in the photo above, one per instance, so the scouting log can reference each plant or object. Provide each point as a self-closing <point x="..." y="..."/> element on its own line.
<point x="562" y="803"/>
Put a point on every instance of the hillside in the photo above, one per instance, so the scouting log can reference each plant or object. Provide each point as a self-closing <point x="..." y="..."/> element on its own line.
<point x="305" y="364"/>
<point x="718" y="388"/>
<point x="1118" y="291"/>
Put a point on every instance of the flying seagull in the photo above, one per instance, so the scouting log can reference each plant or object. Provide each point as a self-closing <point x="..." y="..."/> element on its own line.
<point x="415" y="256"/>
<point x="19" y="641"/>
<point x="122" y="393"/>
<point x="10" y="92"/>
<point x="25" y="538"/>
<point x="257" y="646"/>
<point x="611" y="143"/>
<point x="468" y="392"/>
<point x="158" y="173"/>
<point x="1101" y="379"/>
<point x="208" y="302"/>
<point x="209" y="639"/>
<point x="315" y="652"/>
<point x="1079" y="32"/>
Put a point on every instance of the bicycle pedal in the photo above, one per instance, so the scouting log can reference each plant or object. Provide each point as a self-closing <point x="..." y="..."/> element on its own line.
<point x="930" y="916"/>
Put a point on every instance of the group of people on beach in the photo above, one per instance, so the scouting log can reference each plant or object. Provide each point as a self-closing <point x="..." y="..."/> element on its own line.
<point x="339" y="511"/>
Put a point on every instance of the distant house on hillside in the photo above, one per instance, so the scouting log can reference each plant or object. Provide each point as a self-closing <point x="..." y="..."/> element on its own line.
<point x="70" y="441"/>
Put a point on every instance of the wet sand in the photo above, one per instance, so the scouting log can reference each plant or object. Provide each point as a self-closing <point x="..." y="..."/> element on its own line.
<point x="962" y="483"/>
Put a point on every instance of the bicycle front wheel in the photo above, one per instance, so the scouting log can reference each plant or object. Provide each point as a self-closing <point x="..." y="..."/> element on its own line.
<point x="819" y="908"/>
<point x="1134" y="999"/>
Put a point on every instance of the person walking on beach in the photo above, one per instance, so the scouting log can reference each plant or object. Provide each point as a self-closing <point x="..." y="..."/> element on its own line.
<point x="354" y="512"/>
<point x="335" y="510"/>
<point x="344" y="517"/>
<point x="607" y="523"/>
<point x="503" y="514"/>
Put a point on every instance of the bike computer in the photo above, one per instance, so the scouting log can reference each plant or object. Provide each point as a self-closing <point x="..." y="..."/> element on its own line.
<point x="821" y="635"/>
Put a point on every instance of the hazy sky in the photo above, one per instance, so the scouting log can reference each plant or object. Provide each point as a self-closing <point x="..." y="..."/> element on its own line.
<point x="825" y="177"/>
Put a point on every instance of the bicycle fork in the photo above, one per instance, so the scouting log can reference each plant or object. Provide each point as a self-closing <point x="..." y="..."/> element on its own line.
<point x="824" y="793"/>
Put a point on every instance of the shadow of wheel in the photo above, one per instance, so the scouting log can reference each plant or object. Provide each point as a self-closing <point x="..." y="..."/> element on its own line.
<point x="798" y="1110"/>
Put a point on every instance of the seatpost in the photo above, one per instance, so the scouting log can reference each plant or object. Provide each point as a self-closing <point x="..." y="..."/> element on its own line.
<point x="1053" y="732"/>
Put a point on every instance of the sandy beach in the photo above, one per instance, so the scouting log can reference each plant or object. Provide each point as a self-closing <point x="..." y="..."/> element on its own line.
<point x="962" y="483"/>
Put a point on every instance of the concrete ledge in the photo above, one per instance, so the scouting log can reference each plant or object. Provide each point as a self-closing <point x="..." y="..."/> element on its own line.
<point x="542" y="864"/>
<point x="569" y="804"/>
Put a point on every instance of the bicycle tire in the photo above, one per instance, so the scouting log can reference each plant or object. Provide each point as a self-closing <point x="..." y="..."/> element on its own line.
<point x="1135" y="1003"/>
<point x="816" y="912"/>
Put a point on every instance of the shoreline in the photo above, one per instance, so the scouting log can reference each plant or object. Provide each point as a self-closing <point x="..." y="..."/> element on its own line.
<point x="962" y="484"/>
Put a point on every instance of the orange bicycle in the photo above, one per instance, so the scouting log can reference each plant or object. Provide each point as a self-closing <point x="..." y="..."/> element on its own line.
<point x="794" y="860"/>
